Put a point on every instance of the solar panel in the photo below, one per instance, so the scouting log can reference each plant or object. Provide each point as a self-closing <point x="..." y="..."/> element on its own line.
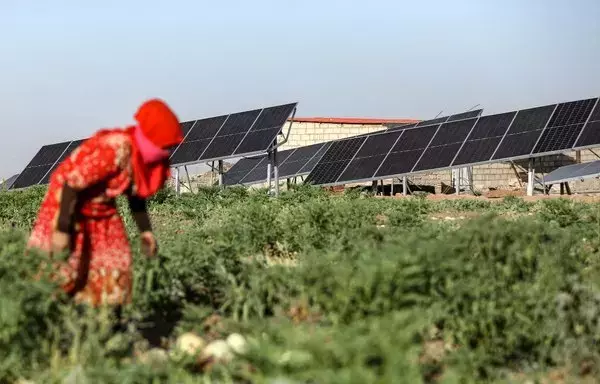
<point x="310" y="165"/>
<point x="259" y="173"/>
<point x="465" y="115"/>
<point x="565" y="126"/>
<point x="406" y="151"/>
<point x="240" y="170"/>
<point x="476" y="139"/>
<point x="369" y="157"/>
<point x="435" y="121"/>
<point x="484" y="138"/>
<point x="523" y="133"/>
<point x="264" y="131"/>
<point x="197" y="139"/>
<point x="41" y="163"/>
<point x="590" y="135"/>
<point x="298" y="159"/>
<point x="242" y="133"/>
<point x="186" y="126"/>
<point x="66" y="153"/>
<point x="445" y="145"/>
<point x="573" y="172"/>
<point x="335" y="160"/>
<point x="7" y="184"/>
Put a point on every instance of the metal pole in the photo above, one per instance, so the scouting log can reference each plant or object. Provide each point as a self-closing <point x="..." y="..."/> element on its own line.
<point x="188" y="178"/>
<point x="177" y="186"/>
<point x="530" y="178"/>
<point x="457" y="182"/>
<point x="221" y="173"/>
<point x="212" y="173"/>
<point x="276" y="171"/>
<point x="578" y="157"/>
<point x="392" y="188"/>
<point x="404" y="186"/>
<point x="269" y="173"/>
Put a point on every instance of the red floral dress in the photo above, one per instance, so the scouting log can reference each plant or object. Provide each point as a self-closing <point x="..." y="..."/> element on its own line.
<point x="98" y="270"/>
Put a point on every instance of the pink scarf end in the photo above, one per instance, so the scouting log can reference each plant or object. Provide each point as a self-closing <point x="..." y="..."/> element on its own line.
<point x="149" y="151"/>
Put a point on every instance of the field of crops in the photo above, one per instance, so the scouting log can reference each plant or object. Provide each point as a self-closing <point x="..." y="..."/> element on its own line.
<point x="323" y="289"/>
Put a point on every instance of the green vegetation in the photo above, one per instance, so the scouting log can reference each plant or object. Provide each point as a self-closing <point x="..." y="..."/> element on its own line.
<point x="325" y="289"/>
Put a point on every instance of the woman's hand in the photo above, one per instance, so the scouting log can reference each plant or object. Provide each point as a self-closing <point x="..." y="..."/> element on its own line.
<point x="149" y="245"/>
<point x="60" y="242"/>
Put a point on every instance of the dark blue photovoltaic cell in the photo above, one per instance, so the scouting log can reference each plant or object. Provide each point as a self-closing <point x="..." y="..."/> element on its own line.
<point x="31" y="176"/>
<point x="370" y="156"/>
<point x="198" y="138"/>
<point x="72" y="146"/>
<point x="334" y="161"/>
<point x="407" y="151"/>
<point x="310" y="165"/>
<point x="484" y="138"/>
<point x="524" y="132"/>
<point x="445" y="145"/>
<point x="565" y="126"/>
<point x="259" y="173"/>
<point x="590" y="135"/>
<point x="230" y="135"/>
<point x="48" y="154"/>
<point x="240" y="170"/>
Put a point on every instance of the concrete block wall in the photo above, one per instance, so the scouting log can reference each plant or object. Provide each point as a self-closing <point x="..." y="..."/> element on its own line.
<point x="303" y="134"/>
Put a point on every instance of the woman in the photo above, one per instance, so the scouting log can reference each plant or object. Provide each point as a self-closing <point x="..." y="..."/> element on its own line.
<point x="79" y="212"/>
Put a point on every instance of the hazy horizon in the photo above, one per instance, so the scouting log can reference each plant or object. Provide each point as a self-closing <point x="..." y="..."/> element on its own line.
<point x="68" y="68"/>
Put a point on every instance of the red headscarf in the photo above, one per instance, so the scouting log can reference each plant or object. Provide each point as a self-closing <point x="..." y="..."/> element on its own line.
<point x="159" y="126"/>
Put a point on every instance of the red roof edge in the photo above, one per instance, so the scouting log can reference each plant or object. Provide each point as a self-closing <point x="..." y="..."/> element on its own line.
<point x="352" y="120"/>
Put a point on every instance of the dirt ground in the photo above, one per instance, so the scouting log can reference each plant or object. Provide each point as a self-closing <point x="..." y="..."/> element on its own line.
<point x="498" y="195"/>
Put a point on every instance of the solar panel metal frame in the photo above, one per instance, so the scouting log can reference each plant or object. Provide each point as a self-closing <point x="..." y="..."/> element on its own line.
<point x="579" y="173"/>
<point x="233" y="154"/>
<point x="491" y="161"/>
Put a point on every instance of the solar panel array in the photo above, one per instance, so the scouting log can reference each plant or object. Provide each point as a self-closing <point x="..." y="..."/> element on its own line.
<point x="205" y="140"/>
<point x="257" y="168"/>
<point x="573" y="172"/>
<point x="226" y="136"/>
<point x="292" y="163"/>
<point x="460" y="140"/>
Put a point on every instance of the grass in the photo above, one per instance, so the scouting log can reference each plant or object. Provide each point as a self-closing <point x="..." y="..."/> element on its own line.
<point x="325" y="288"/>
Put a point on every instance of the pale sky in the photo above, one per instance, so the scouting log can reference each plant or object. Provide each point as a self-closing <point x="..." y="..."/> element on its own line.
<point x="68" y="68"/>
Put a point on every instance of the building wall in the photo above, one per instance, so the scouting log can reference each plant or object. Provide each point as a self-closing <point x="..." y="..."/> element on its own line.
<point x="495" y="175"/>
<point x="303" y="134"/>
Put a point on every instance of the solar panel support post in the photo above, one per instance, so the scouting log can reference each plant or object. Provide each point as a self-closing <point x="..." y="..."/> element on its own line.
<point x="269" y="164"/>
<point x="392" y="188"/>
<point x="530" y="177"/>
<point x="177" y="186"/>
<point x="189" y="180"/>
<point x="276" y="171"/>
<point x="404" y="186"/>
<point x="221" y="174"/>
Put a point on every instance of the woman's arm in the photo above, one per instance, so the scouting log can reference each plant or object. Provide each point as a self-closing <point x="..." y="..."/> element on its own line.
<point x="137" y="205"/>
<point x="66" y="209"/>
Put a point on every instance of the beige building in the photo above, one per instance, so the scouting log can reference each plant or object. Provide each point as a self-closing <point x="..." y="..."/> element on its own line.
<point x="505" y="175"/>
